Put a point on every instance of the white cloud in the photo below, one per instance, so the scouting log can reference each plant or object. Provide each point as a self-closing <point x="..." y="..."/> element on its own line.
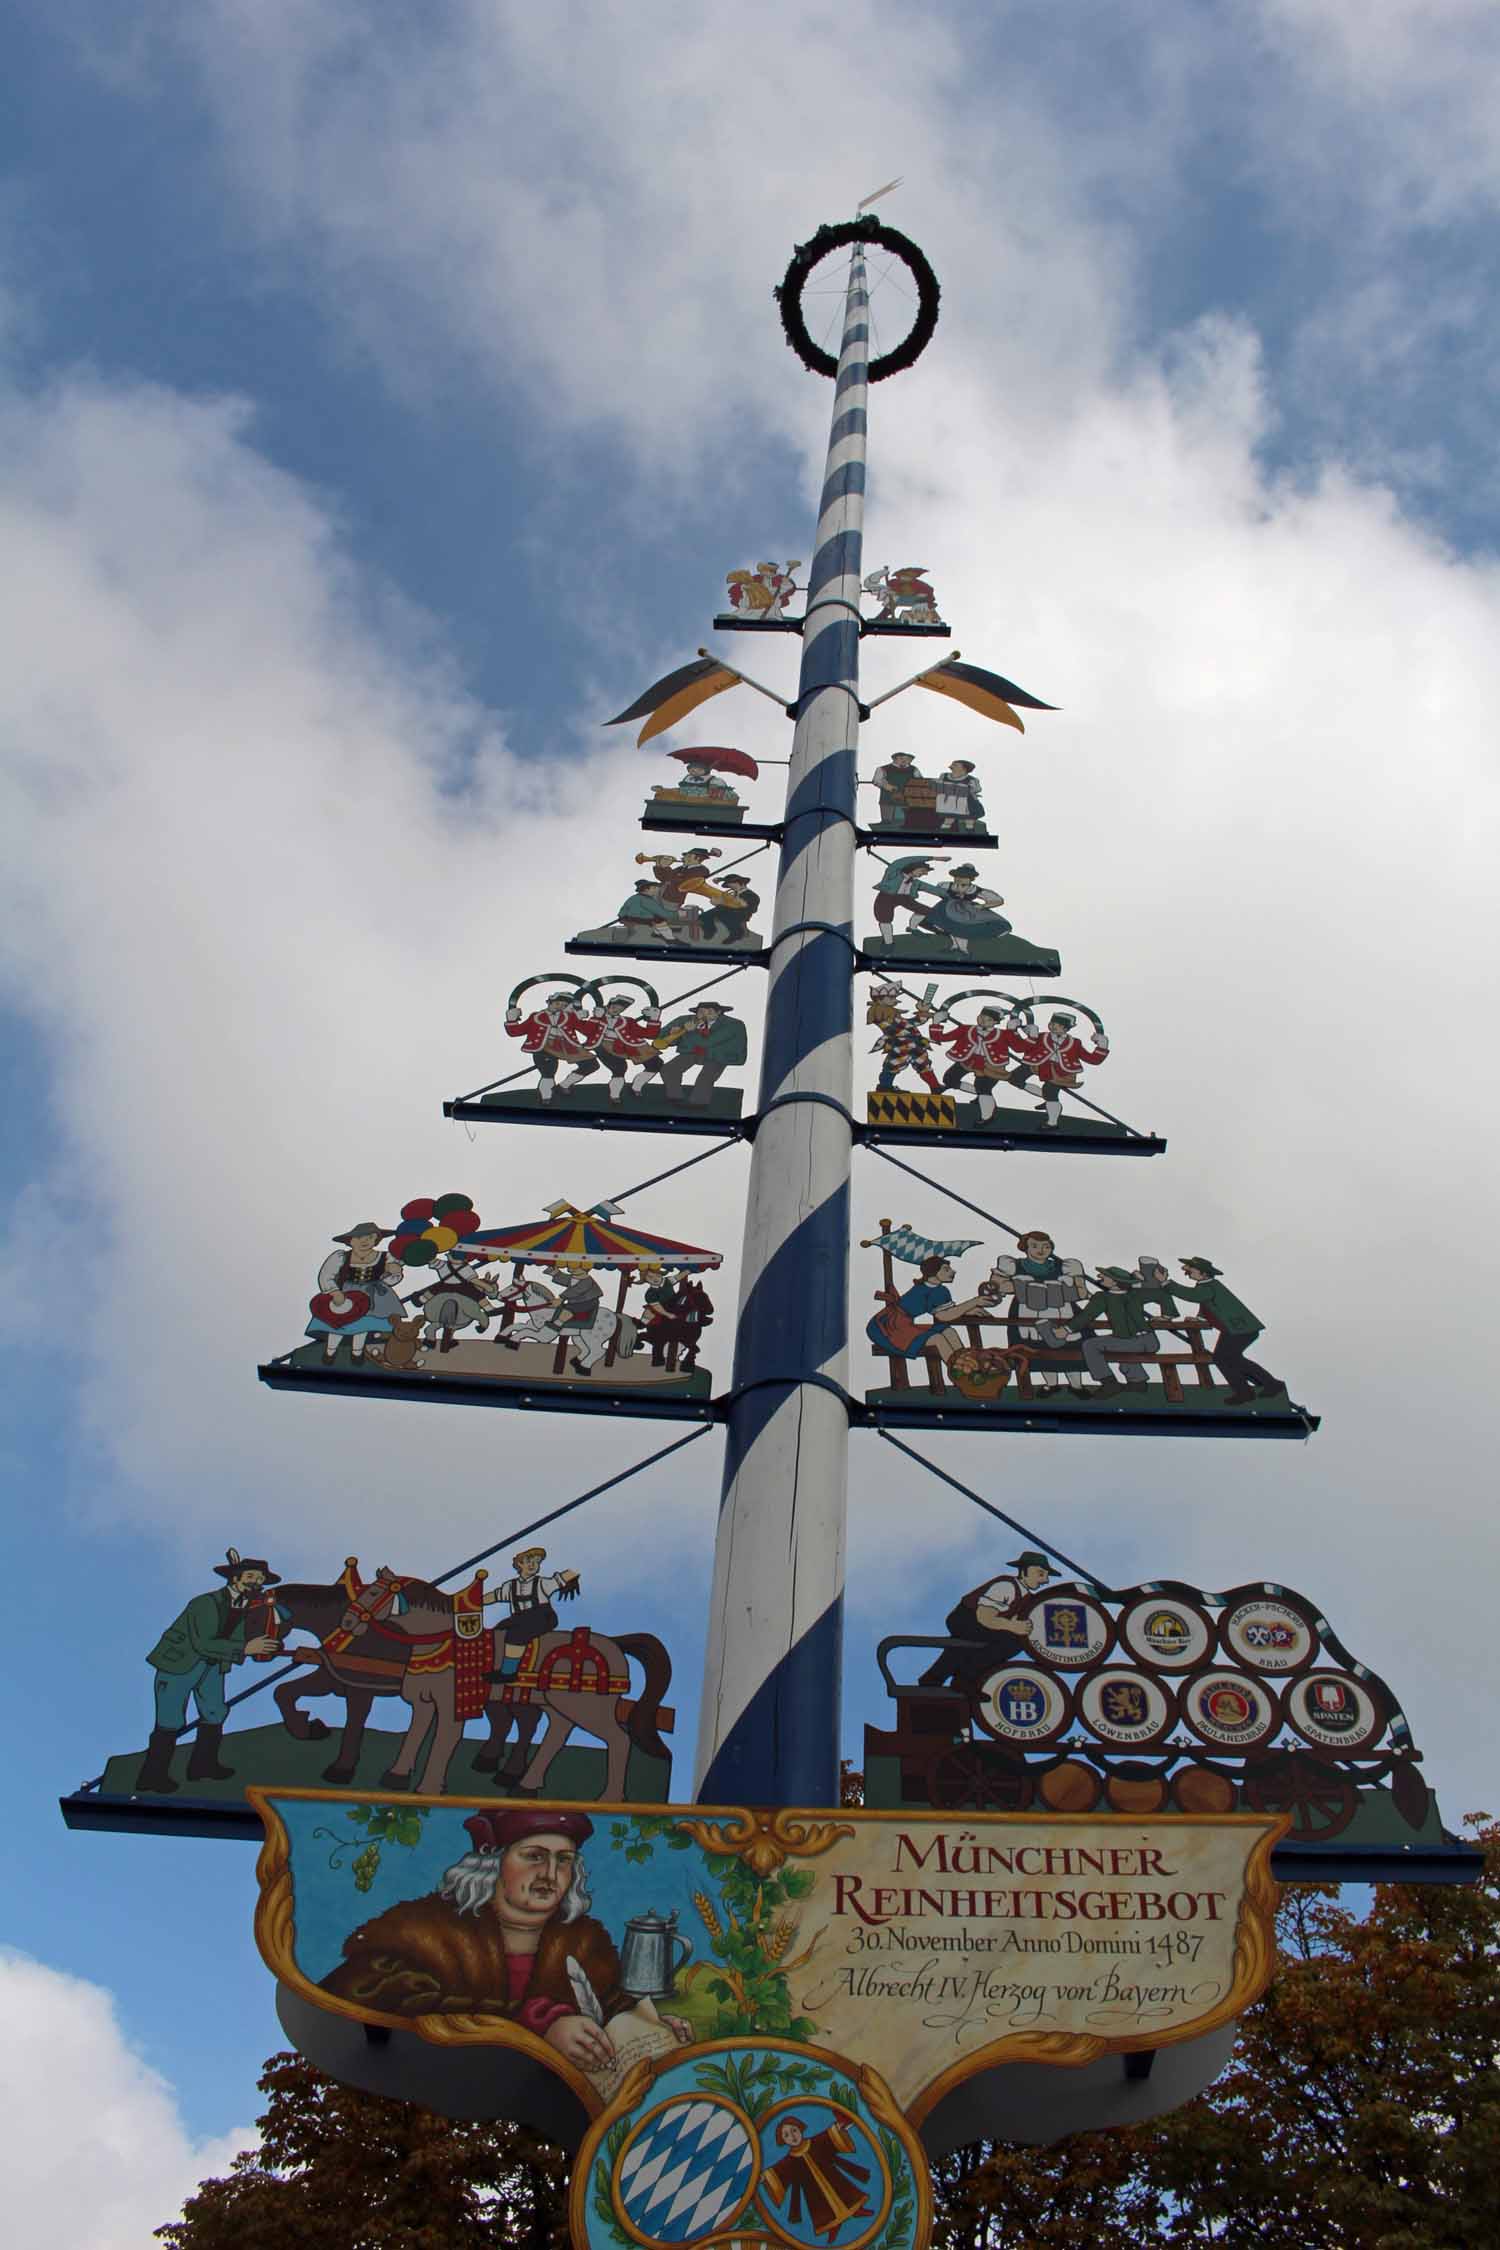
<point x="1414" y="84"/>
<point x="96" y="2153"/>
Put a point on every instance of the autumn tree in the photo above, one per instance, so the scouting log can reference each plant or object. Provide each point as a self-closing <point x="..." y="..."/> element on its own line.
<point x="341" y="2170"/>
<point x="1361" y="2108"/>
<point x="1360" y="2111"/>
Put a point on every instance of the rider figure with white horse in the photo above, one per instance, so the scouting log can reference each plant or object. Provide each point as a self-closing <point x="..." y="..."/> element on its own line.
<point x="578" y="1316"/>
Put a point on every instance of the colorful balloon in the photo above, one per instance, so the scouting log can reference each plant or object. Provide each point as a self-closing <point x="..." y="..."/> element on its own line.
<point x="447" y="1203"/>
<point x="443" y="1238"/>
<point x="421" y="1253"/>
<point x="419" y="1211"/>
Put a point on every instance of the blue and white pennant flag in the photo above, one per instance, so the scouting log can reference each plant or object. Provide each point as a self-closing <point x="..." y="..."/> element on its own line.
<point x="910" y="1248"/>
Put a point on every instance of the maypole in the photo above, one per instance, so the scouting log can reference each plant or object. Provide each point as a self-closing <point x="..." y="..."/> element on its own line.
<point x="758" y="2016"/>
<point x="769" y="1726"/>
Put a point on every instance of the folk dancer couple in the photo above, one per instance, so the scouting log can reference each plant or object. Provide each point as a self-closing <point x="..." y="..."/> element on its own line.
<point x="962" y="911"/>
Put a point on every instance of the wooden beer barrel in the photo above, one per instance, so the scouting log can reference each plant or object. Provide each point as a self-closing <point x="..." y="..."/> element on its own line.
<point x="1136" y="1792"/>
<point x="1070" y="1787"/>
<point x="1198" y="1789"/>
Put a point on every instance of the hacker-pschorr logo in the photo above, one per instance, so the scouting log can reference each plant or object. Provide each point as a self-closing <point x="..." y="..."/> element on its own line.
<point x="1269" y="1636"/>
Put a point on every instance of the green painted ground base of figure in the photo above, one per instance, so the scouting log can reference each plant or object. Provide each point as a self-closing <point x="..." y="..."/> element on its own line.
<point x="276" y="1759"/>
<point x="921" y="951"/>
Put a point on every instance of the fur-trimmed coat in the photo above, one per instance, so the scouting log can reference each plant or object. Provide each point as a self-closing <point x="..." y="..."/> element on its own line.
<point x="424" y="1958"/>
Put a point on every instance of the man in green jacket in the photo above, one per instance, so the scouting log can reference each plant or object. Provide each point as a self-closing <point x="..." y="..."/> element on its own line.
<point x="709" y="1039"/>
<point x="1238" y="1329"/>
<point x="191" y="1662"/>
<point x="1126" y="1337"/>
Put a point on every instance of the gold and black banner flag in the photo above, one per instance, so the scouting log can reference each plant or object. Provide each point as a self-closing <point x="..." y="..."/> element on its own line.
<point x="671" y="698"/>
<point x="988" y="693"/>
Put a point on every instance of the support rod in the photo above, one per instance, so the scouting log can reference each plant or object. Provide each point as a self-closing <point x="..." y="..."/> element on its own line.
<point x="769" y="1731"/>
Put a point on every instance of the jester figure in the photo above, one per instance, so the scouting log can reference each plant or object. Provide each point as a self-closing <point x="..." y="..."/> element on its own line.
<point x="903" y="1042"/>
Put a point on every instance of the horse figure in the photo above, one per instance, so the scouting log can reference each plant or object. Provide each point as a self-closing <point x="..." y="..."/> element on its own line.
<point x="675" y="1323"/>
<point x="364" y="1664"/>
<point x="541" y="1318"/>
<point x="463" y="1298"/>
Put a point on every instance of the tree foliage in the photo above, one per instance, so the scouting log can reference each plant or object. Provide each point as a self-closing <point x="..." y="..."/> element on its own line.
<point x="1360" y="2111"/>
<point x="340" y="2170"/>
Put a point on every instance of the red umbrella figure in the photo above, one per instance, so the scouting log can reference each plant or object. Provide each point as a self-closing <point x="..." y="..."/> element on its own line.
<point x="719" y="761"/>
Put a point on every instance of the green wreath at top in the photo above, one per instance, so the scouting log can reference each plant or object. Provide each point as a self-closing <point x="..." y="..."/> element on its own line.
<point x="808" y="254"/>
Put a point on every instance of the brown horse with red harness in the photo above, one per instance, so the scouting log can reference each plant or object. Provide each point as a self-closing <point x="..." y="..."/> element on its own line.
<point x="403" y="1636"/>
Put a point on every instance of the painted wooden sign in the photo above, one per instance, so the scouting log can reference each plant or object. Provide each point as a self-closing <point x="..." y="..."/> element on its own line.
<point x="929" y="1948"/>
<point x="759" y="2142"/>
<point x="609" y="1047"/>
<point x="903" y="596"/>
<point x="1042" y="1691"/>
<point x="682" y="906"/>
<point x="949" y="919"/>
<point x="910" y="802"/>
<point x="760" y="594"/>
<point x="1037" y="1328"/>
<point x="955" y="1066"/>
<point x="702" y="795"/>
<point x="554" y="1324"/>
<point x="520" y="1659"/>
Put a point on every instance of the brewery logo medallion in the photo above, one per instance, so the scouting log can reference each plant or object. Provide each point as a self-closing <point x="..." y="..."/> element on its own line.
<point x="1168" y="1635"/>
<point x="1069" y="1630"/>
<point x="1127" y="1708"/>
<point x="1022" y="1705"/>
<point x="1222" y="1707"/>
<point x="1334" y="1711"/>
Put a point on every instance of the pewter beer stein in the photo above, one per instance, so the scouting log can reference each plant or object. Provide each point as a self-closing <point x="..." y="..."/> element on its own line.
<point x="647" y="1968"/>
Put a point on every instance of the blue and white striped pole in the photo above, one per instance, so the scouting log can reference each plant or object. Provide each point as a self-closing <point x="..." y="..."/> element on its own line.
<point x="769" y="1731"/>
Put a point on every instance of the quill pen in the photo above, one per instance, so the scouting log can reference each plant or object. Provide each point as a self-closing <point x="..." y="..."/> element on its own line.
<point x="584" y="1993"/>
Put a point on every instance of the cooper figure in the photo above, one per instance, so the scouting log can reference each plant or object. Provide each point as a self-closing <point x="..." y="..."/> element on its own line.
<point x="991" y="1624"/>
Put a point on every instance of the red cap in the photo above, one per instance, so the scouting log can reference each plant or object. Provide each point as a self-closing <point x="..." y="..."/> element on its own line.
<point x="497" y="1831"/>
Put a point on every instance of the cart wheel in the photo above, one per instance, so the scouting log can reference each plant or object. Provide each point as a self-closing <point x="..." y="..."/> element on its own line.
<point x="979" y="1777"/>
<point x="1320" y="1797"/>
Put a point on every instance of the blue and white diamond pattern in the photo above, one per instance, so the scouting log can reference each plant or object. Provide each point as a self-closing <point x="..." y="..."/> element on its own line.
<point x="686" y="2171"/>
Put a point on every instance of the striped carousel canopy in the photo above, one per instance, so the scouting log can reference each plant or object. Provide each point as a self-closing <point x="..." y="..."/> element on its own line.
<point x="568" y="1232"/>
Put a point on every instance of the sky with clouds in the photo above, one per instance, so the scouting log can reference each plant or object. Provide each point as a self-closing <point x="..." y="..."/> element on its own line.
<point x="381" y="404"/>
